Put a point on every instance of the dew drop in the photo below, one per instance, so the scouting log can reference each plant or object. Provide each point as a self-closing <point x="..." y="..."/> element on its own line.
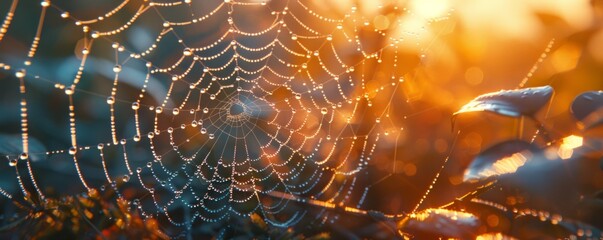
<point x="135" y="105"/>
<point x="117" y="68"/>
<point x="126" y="178"/>
<point x="72" y="150"/>
<point x="203" y="130"/>
<point x="110" y="100"/>
<point x="211" y="136"/>
<point x="100" y="146"/>
<point x="12" y="162"/>
<point x="24" y="156"/>
<point x="187" y="52"/>
<point x="324" y="111"/>
<point x="176" y="111"/>
<point x="20" y="73"/>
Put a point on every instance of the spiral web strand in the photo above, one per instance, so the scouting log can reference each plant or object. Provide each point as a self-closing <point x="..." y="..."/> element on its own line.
<point x="231" y="107"/>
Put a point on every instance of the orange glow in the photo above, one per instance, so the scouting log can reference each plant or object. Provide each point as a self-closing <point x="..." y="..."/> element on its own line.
<point x="502" y="166"/>
<point x="569" y="143"/>
<point x="566" y="57"/>
<point x="572" y="142"/>
<point x="492" y="236"/>
<point x="410" y="169"/>
<point x="474" y="75"/>
<point x="454" y="215"/>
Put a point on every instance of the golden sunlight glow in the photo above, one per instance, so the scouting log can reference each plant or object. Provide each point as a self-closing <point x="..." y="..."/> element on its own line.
<point x="492" y="236"/>
<point x="572" y="141"/>
<point x="474" y="75"/>
<point x="569" y="143"/>
<point x="428" y="9"/>
<point x="453" y="215"/>
<point x="595" y="46"/>
<point x="566" y="57"/>
<point x="502" y="166"/>
<point x="381" y="22"/>
<point x="515" y="19"/>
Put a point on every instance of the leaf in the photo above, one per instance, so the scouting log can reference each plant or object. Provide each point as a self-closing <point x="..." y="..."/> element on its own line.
<point x="11" y="145"/>
<point x="593" y="119"/>
<point x="496" y="216"/>
<point x="587" y="108"/>
<point x="502" y="158"/>
<point x="540" y="226"/>
<point x="586" y="103"/>
<point x="442" y="222"/>
<point x="512" y="103"/>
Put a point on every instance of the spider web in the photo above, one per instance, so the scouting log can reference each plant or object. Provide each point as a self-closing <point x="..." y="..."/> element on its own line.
<point x="220" y="108"/>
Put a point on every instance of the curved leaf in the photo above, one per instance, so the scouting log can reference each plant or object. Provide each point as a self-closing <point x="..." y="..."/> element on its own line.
<point x="502" y="158"/>
<point x="11" y="145"/>
<point x="512" y="103"/>
<point x="593" y="119"/>
<point x="497" y="216"/>
<point x="443" y="223"/>
<point x="588" y="109"/>
<point x="535" y="227"/>
<point x="586" y="103"/>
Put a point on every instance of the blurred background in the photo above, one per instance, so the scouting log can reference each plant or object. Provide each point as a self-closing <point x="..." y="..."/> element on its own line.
<point x="449" y="52"/>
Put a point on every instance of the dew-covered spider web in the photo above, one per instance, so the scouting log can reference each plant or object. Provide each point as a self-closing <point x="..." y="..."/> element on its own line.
<point x="215" y="108"/>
